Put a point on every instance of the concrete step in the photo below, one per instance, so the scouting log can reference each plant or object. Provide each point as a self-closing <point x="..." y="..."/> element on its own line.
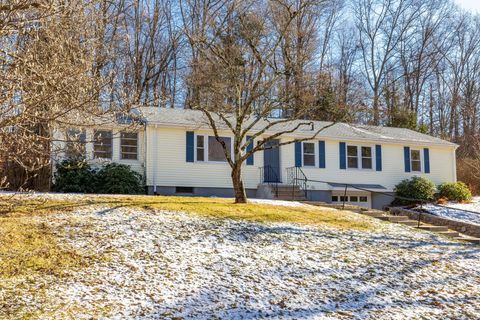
<point x="411" y="223"/>
<point x="449" y="233"/>
<point x="394" y="218"/>
<point x="434" y="228"/>
<point x="468" y="239"/>
<point x="373" y="214"/>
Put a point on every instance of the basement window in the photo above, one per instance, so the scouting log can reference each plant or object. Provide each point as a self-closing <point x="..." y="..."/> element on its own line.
<point x="184" y="190"/>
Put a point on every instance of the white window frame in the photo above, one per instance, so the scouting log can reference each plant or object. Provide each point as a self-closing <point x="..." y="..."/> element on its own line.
<point x="411" y="159"/>
<point x="97" y="144"/>
<point x="205" y="145"/>
<point x="359" y="156"/>
<point x="205" y="148"/>
<point x="314" y="155"/>
<point x="371" y="157"/>
<point x="121" y="145"/>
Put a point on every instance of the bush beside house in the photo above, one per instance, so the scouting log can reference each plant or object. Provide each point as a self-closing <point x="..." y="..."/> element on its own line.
<point x="78" y="176"/>
<point x="74" y="176"/>
<point x="119" y="178"/>
<point x="455" y="191"/>
<point x="418" y="188"/>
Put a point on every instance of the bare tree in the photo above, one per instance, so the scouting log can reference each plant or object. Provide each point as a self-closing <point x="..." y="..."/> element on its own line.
<point x="381" y="24"/>
<point x="45" y="79"/>
<point x="238" y="79"/>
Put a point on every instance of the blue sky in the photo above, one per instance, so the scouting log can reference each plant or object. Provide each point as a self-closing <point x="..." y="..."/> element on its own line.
<point x="470" y="5"/>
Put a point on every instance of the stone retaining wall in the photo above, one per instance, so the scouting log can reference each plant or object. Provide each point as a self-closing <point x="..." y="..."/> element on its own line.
<point x="469" y="229"/>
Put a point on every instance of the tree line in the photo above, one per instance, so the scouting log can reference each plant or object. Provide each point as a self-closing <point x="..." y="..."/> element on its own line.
<point x="406" y="63"/>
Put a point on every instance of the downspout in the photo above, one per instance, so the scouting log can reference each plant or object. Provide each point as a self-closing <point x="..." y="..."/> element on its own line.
<point x="154" y="165"/>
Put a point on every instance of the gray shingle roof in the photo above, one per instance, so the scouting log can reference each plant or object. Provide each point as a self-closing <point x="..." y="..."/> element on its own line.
<point x="195" y="119"/>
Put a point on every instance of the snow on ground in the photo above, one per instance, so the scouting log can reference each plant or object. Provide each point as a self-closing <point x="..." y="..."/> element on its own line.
<point x="165" y="265"/>
<point x="278" y="202"/>
<point x="460" y="215"/>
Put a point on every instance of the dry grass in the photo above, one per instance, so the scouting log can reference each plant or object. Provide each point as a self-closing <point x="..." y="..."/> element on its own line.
<point x="31" y="247"/>
<point x="226" y="209"/>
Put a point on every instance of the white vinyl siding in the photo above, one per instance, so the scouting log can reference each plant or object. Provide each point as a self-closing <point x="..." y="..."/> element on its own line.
<point x="442" y="166"/>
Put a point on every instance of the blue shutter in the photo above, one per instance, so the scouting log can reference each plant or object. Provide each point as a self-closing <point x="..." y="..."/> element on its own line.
<point x="406" y="158"/>
<point x="343" y="155"/>
<point x="378" y="157"/>
<point x="190" y="146"/>
<point x="249" y="148"/>
<point x="321" y="154"/>
<point x="298" y="154"/>
<point x="426" y="158"/>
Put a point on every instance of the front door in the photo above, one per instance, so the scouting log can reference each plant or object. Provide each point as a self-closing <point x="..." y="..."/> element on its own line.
<point x="271" y="162"/>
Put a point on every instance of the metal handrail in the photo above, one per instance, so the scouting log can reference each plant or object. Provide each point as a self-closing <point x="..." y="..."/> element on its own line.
<point x="297" y="177"/>
<point x="272" y="177"/>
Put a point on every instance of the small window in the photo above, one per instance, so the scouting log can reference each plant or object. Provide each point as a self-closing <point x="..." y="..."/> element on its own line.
<point x="308" y="154"/>
<point x="352" y="155"/>
<point x="416" y="160"/>
<point x="215" y="148"/>
<point x="183" y="189"/>
<point x="75" y="143"/>
<point x="353" y="199"/>
<point x="102" y="144"/>
<point x="334" y="198"/>
<point x="129" y="145"/>
<point x="200" y="148"/>
<point x="366" y="158"/>
<point x="343" y="198"/>
<point x="363" y="199"/>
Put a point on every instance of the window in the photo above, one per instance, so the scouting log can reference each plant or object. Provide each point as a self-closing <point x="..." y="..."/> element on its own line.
<point x="200" y="148"/>
<point x="352" y="156"/>
<point x="416" y="160"/>
<point x="360" y="157"/>
<point x="102" y="144"/>
<point x="366" y="158"/>
<point x="353" y="199"/>
<point x="215" y="149"/>
<point x="363" y="199"/>
<point x="343" y="198"/>
<point x="308" y="154"/>
<point x="75" y="143"/>
<point x="129" y="145"/>
<point x="183" y="189"/>
<point x="334" y="198"/>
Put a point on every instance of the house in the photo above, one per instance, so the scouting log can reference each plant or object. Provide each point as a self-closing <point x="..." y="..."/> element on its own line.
<point x="177" y="153"/>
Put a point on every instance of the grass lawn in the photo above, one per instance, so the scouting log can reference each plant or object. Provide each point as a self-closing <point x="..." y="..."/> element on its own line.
<point x="66" y="257"/>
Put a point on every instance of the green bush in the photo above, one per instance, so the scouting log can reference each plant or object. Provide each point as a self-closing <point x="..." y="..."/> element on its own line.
<point x="74" y="176"/>
<point x="455" y="191"/>
<point x="415" y="188"/>
<point x="119" y="178"/>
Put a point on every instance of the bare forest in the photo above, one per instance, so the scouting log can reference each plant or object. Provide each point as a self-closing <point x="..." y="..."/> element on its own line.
<point x="404" y="63"/>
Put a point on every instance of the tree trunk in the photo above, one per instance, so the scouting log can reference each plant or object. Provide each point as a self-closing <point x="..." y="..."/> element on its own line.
<point x="240" y="195"/>
<point x="376" y="108"/>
